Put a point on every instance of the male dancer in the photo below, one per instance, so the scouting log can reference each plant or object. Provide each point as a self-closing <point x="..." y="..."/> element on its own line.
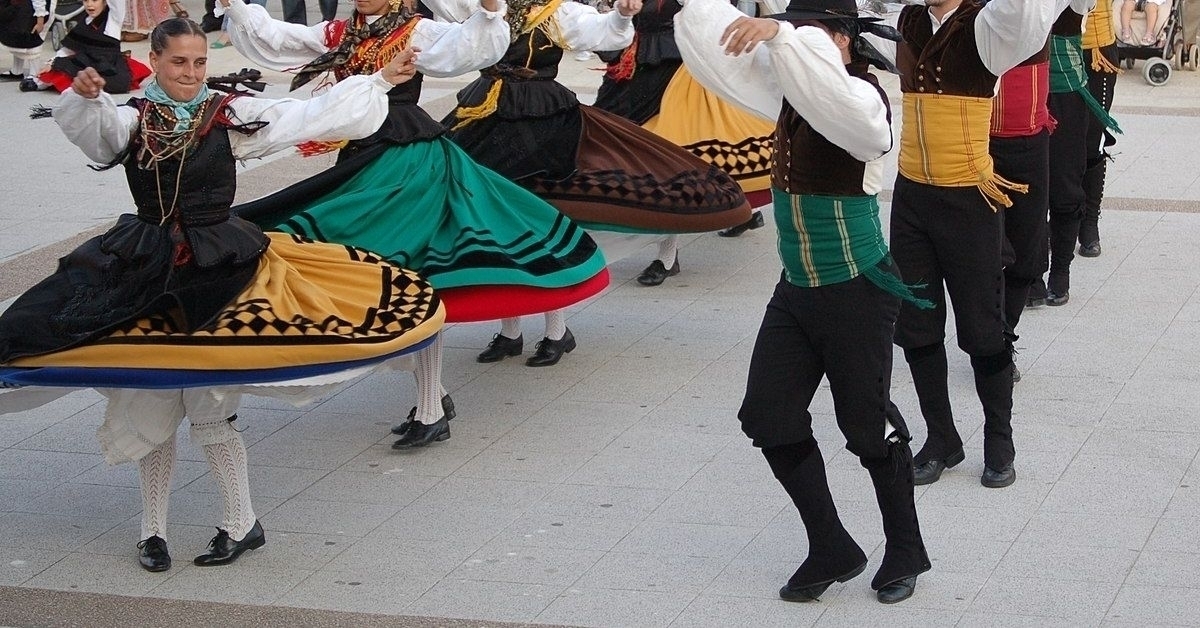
<point x="946" y="229"/>
<point x="834" y="309"/>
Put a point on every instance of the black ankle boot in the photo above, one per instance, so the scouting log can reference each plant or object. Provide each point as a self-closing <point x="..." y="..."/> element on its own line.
<point x="501" y="347"/>
<point x="223" y="550"/>
<point x="904" y="554"/>
<point x="931" y="380"/>
<point x="833" y="556"/>
<point x="447" y="411"/>
<point x="153" y="556"/>
<point x="993" y="384"/>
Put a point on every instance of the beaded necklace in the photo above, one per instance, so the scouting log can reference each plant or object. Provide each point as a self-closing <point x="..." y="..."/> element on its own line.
<point x="161" y="141"/>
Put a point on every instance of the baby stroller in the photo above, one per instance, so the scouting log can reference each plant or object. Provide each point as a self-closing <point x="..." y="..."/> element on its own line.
<point x="1168" y="50"/>
<point x="64" y="15"/>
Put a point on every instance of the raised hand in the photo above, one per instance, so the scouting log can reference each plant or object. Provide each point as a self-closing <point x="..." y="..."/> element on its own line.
<point x="88" y="83"/>
<point x="629" y="8"/>
<point x="745" y="33"/>
<point x="402" y="67"/>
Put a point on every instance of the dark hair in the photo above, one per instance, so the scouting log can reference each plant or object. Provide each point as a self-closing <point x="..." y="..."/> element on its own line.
<point x="172" y="27"/>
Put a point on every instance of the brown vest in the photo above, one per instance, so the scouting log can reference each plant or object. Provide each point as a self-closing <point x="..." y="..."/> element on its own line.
<point x="804" y="162"/>
<point x="946" y="62"/>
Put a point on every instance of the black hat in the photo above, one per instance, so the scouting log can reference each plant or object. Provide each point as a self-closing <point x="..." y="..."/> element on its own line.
<point x="822" y="10"/>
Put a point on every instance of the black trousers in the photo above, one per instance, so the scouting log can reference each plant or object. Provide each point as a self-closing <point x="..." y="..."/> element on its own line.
<point x="949" y="237"/>
<point x="1068" y="161"/>
<point x="841" y="331"/>
<point x="1027" y="160"/>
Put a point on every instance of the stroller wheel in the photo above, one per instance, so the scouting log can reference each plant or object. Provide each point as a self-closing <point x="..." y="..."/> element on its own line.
<point x="1193" y="56"/>
<point x="1129" y="61"/>
<point x="1156" y="72"/>
<point x="1177" y="56"/>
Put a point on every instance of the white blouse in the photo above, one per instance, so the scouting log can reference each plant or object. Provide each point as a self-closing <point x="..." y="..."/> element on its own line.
<point x="446" y="49"/>
<point x="352" y="109"/>
<point x="582" y="26"/>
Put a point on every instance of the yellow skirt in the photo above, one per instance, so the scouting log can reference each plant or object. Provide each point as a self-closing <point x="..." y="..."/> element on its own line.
<point x="310" y="303"/>
<point x="717" y="132"/>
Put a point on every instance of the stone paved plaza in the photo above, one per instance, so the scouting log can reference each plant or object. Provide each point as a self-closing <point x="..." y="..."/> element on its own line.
<point x="616" y="488"/>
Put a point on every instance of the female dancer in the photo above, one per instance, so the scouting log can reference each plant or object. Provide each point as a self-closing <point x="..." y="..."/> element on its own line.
<point x="185" y="285"/>
<point x="647" y="79"/>
<point x="595" y="167"/>
<point x="490" y="248"/>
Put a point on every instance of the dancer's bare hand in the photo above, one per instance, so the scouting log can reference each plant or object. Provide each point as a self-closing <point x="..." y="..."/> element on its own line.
<point x="88" y="83"/>
<point x="402" y="67"/>
<point x="490" y="5"/>
<point x="629" y="8"/>
<point x="745" y="33"/>
<point x="38" y="24"/>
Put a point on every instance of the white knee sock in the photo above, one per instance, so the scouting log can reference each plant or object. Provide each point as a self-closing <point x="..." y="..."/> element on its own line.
<point x="429" y="383"/>
<point x="154" y="472"/>
<point x="556" y="325"/>
<point x="667" y="248"/>
<point x="227" y="462"/>
<point x="510" y="328"/>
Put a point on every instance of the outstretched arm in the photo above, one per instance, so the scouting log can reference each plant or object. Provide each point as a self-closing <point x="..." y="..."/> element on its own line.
<point x="352" y="109"/>
<point x="702" y="32"/>
<point x="272" y="43"/>
<point x="585" y="28"/>
<point x="450" y="49"/>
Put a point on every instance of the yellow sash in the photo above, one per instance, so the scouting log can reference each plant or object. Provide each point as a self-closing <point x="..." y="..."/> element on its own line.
<point x="944" y="142"/>
<point x="1097" y="33"/>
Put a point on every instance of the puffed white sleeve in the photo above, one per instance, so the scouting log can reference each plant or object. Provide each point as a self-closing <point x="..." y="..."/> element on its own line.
<point x="450" y="49"/>
<point x="847" y="111"/>
<point x="452" y="10"/>
<point x="747" y="80"/>
<point x="1008" y="32"/>
<point x="352" y="109"/>
<point x="585" y="28"/>
<point x="272" y="43"/>
<point x="98" y="126"/>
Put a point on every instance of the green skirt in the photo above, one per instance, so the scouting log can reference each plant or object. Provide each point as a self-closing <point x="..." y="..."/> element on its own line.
<point x="428" y="207"/>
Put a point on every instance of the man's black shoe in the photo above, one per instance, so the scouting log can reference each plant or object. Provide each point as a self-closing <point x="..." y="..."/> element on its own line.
<point x="420" y="435"/>
<point x="756" y="221"/>
<point x="812" y="592"/>
<point x="447" y="411"/>
<point x="154" y="556"/>
<point x="1092" y="249"/>
<point x="897" y="591"/>
<point x="1035" y="301"/>
<point x="931" y="471"/>
<point x="1054" y="299"/>
<point x="999" y="479"/>
<point x="501" y="347"/>
<point x="223" y="550"/>
<point x="549" y="352"/>
<point x="657" y="272"/>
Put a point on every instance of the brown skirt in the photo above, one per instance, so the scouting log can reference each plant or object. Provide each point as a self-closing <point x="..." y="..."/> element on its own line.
<point x="629" y="179"/>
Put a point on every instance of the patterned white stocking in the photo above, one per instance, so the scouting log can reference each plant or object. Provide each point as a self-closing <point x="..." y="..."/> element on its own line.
<point x="227" y="462"/>
<point x="556" y="325"/>
<point x="667" y="249"/>
<point x="154" y="472"/>
<point x="510" y="328"/>
<point x="429" y="383"/>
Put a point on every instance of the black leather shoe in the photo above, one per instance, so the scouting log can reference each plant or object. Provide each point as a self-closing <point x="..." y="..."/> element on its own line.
<point x="657" y="272"/>
<point x="447" y="411"/>
<point x="154" y="556"/>
<point x="1035" y="301"/>
<point x="28" y="85"/>
<point x="930" y="472"/>
<point x="549" y="352"/>
<point x="998" y="479"/>
<point x="223" y="550"/>
<point x="11" y="76"/>
<point x="420" y="435"/>
<point x="501" y="347"/>
<point x="756" y="221"/>
<point x="1091" y="249"/>
<point x="897" y="591"/>
<point x="812" y="592"/>
<point x="1055" y="299"/>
